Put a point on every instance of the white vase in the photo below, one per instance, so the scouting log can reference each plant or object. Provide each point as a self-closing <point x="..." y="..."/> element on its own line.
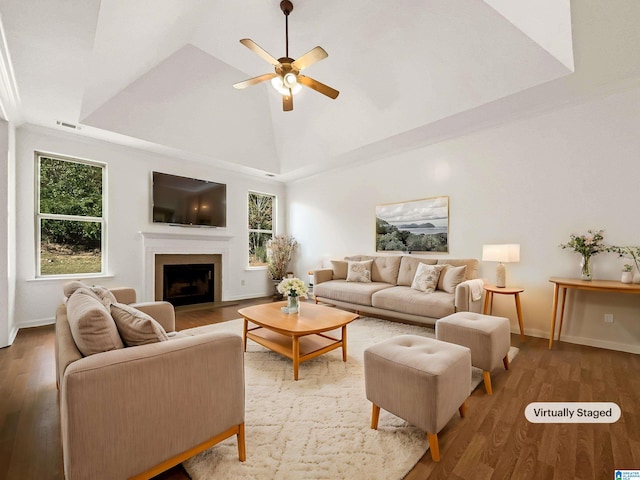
<point x="627" y="277"/>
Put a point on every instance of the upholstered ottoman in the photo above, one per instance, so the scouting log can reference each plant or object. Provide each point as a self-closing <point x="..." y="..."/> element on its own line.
<point x="421" y="380"/>
<point x="488" y="338"/>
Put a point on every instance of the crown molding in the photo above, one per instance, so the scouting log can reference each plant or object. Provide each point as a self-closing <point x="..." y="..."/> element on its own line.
<point x="9" y="96"/>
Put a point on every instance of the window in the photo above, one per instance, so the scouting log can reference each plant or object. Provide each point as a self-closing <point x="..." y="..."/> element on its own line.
<point x="261" y="208"/>
<point x="70" y="216"/>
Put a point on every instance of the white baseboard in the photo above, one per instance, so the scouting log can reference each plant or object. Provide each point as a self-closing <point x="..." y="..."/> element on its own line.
<point x="590" y="342"/>
<point x="36" y="323"/>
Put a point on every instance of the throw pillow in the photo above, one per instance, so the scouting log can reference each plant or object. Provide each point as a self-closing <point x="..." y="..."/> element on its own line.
<point x="451" y="277"/>
<point x="339" y="269"/>
<point x="359" y="271"/>
<point x="105" y="295"/>
<point x="136" y="327"/>
<point x="426" y="278"/>
<point x="70" y="288"/>
<point x="92" y="328"/>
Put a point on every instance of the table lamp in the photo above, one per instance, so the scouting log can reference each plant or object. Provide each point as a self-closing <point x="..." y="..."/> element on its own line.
<point x="504" y="253"/>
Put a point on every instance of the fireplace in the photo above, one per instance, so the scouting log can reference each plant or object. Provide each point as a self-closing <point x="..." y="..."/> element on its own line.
<point x="188" y="284"/>
<point x="188" y="279"/>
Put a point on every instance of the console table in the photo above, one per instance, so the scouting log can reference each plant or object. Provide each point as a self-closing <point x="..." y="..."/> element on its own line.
<point x="594" y="285"/>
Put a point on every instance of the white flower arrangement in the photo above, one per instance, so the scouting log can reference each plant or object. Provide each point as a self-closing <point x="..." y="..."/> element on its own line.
<point x="293" y="287"/>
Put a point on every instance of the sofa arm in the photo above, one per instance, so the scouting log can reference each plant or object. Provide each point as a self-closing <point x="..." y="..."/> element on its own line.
<point x="463" y="300"/>
<point x="322" y="275"/>
<point x="162" y="312"/>
<point x="124" y="294"/>
<point x="123" y="412"/>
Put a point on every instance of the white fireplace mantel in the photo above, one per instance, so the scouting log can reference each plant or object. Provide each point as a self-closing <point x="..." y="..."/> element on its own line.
<point x="160" y="243"/>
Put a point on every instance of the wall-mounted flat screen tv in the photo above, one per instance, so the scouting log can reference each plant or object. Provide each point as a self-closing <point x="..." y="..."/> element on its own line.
<point x="188" y="201"/>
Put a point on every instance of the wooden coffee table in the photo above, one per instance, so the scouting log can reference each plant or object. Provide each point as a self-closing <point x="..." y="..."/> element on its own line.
<point x="298" y="336"/>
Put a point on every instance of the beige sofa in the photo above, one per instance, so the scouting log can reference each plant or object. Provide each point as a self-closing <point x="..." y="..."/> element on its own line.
<point x="389" y="293"/>
<point x="133" y="412"/>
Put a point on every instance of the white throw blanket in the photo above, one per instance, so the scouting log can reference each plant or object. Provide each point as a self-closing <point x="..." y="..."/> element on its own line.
<point x="475" y="288"/>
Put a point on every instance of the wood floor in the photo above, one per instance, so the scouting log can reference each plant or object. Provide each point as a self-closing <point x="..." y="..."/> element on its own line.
<point x="494" y="441"/>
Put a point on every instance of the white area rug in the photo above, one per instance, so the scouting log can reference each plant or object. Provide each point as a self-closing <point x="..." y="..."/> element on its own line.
<point x="319" y="426"/>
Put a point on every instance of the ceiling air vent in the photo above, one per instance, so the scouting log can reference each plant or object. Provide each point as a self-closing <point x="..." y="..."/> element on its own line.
<point x="68" y="125"/>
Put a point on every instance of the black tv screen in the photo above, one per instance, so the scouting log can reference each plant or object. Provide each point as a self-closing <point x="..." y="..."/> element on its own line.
<point x="188" y="201"/>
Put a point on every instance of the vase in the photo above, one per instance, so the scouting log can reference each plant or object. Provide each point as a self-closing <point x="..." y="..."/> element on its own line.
<point x="627" y="277"/>
<point x="293" y="304"/>
<point x="586" y="271"/>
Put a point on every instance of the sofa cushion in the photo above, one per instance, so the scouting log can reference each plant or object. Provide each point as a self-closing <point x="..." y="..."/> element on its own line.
<point x="451" y="277"/>
<point x="407" y="300"/>
<point x="349" y="292"/>
<point x="135" y="327"/>
<point x="92" y="327"/>
<point x="359" y="271"/>
<point x="339" y="268"/>
<point x="426" y="277"/>
<point x="471" y="263"/>
<point x="408" y="266"/>
<point x="385" y="268"/>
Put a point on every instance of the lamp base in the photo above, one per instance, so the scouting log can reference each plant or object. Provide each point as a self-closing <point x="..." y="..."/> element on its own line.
<point x="501" y="275"/>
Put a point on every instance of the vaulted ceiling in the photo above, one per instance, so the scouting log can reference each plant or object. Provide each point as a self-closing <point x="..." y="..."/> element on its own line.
<point x="158" y="74"/>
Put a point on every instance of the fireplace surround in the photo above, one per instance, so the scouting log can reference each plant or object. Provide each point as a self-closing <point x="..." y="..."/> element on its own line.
<point x="161" y="248"/>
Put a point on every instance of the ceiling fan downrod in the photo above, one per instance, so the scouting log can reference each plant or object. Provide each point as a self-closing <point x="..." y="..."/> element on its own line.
<point x="287" y="7"/>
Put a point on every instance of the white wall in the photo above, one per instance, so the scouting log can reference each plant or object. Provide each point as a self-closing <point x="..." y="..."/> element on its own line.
<point x="129" y="212"/>
<point x="532" y="182"/>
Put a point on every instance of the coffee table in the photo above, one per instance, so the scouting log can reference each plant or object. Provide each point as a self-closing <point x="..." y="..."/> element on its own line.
<point x="298" y="336"/>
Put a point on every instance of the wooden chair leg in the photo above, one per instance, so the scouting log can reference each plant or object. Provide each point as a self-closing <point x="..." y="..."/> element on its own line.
<point x="242" y="451"/>
<point x="433" y="446"/>
<point x="487" y="381"/>
<point x="505" y="361"/>
<point x="463" y="409"/>
<point x="375" y="415"/>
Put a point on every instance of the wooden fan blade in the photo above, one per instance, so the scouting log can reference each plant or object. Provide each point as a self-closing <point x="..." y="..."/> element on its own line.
<point x="254" y="80"/>
<point x="309" y="58"/>
<point x="253" y="46"/>
<point x="287" y="102"/>
<point x="318" y="87"/>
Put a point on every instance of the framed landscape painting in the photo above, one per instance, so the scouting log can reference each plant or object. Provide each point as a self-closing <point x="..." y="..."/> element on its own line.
<point x="414" y="226"/>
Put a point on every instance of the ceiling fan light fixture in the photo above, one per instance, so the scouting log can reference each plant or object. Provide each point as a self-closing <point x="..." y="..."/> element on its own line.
<point x="290" y="80"/>
<point x="283" y="84"/>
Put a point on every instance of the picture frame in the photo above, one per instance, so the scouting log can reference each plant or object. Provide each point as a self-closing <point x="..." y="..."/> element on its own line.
<point x="413" y="226"/>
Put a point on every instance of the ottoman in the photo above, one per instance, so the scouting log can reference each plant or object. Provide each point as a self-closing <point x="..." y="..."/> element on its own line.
<point x="421" y="380"/>
<point x="488" y="338"/>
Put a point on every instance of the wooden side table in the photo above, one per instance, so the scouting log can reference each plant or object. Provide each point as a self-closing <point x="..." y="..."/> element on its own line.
<point x="515" y="291"/>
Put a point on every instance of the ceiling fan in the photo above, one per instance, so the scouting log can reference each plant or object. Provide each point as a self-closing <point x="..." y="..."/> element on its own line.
<point x="287" y="78"/>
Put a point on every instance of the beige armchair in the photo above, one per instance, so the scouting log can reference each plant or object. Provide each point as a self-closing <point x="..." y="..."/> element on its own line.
<point x="134" y="412"/>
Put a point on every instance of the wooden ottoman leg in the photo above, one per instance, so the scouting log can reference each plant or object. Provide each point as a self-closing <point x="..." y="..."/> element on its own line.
<point x="375" y="415"/>
<point x="433" y="446"/>
<point x="487" y="381"/>
<point x="463" y="409"/>
<point x="505" y="360"/>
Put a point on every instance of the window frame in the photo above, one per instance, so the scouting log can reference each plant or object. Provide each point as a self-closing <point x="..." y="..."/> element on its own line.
<point x="39" y="216"/>
<point x="274" y="209"/>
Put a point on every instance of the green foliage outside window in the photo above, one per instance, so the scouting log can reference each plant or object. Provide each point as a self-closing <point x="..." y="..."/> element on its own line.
<point x="260" y="227"/>
<point x="70" y="216"/>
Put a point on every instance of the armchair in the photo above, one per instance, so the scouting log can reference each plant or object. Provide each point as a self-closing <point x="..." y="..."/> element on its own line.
<point x="134" y="412"/>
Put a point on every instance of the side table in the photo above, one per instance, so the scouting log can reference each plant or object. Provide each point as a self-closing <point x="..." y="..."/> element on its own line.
<point x="515" y="291"/>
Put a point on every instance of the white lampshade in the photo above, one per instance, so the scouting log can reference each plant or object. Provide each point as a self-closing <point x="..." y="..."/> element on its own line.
<point x="504" y="253"/>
